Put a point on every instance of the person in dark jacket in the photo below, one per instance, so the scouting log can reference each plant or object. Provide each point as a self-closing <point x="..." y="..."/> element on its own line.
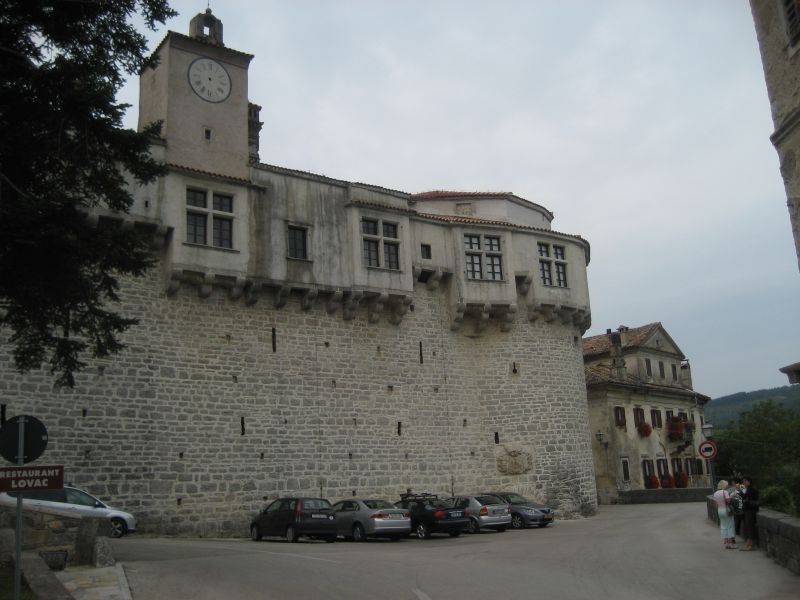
<point x="750" y="509"/>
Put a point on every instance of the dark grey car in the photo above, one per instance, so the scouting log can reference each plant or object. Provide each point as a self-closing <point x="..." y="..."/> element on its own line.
<point x="524" y="512"/>
<point x="371" y="517"/>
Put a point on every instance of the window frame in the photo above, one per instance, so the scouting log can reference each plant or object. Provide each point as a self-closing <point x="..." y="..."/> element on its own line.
<point x="295" y="229"/>
<point x="553" y="258"/>
<point x="217" y="218"/>
<point x="638" y="416"/>
<point x="620" y="419"/>
<point x="378" y="234"/>
<point x="655" y="418"/>
<point x="483" y="257"/>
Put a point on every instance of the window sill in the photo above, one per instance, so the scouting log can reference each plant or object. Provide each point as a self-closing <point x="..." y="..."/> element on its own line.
<point x="301" y="260"/>
<point x="206" y="247"/>
<point x="384" y="269"/>
<point x="474" y="280"/>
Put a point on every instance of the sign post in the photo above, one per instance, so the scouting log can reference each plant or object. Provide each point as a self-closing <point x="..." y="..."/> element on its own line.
<point x="708" y="450"/>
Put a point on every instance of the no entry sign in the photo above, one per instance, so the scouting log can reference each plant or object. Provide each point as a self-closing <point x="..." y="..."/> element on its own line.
<point x="22" y="479"/>
<point x="707" y="449"/>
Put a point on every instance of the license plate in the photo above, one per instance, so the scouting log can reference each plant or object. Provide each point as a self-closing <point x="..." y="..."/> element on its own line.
<point x="548" y="517"/>
<point x="397" y="517"/>
<point x="318" y="516"/>
<point x="455" y="514"/>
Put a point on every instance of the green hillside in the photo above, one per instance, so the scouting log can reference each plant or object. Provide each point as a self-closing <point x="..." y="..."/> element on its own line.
<point x="724" y="412"/>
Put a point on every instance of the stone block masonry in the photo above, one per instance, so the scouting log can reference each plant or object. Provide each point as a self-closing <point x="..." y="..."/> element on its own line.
<point x="216" y="406"/>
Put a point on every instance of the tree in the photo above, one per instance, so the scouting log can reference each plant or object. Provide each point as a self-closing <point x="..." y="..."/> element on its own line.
<point x="63" y="154"/>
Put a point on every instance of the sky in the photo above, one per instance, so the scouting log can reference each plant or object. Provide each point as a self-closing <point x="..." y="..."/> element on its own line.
<point x="643" y="125"/>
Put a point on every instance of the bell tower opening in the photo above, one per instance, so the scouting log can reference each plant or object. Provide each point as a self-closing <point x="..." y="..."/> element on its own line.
<point x="206" y="27"/>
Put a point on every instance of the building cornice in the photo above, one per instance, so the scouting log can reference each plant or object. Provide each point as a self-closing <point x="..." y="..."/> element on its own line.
<point x="787" y="128"/>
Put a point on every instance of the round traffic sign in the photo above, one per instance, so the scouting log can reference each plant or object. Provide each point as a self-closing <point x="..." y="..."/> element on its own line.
<point x="35" y="434"/>
<point x="707" y="449"/>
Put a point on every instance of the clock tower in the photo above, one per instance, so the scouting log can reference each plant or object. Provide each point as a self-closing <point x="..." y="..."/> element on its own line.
<point x="199" y="90"/>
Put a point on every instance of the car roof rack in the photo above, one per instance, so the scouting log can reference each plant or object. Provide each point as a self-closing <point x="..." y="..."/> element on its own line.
<point x="418" y="496"/>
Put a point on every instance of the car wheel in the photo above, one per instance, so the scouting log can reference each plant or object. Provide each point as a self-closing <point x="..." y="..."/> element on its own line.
<point x="118" y="528"/>
<point x="473" y="526"/>
<point x="255" y="534"/>
<point x="358" y="533"/>
<point x="517" y="522"/>
<point x="423" y="532"/>
<point x="501" y="529"/>
<point x="455" y="533"/>
<point x="291" y="534"/>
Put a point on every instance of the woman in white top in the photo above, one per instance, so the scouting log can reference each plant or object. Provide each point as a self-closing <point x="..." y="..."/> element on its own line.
<point x="726" y="522"/>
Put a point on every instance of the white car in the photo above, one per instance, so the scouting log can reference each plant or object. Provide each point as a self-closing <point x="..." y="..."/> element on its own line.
<point x="70" y="500"/>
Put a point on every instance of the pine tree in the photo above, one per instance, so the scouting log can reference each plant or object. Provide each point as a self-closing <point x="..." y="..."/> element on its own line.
<point x="63" y="156"/>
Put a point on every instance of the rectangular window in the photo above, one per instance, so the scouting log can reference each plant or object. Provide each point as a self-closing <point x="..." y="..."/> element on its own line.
<point x="483" y="257"/>
<point x="619" y="416"/>
<point x="199" y="219"/>
<point x="791" y="9"/>
<point x="638" y="416"/>
<point x="474" y="266"/>
<point x="370" y="250"/>
<point x="647" y="467"/>
<point x="425" y="251"/>
<point x="674" y="373"/>
<point x="376" y="251"/>
<point x="669" y="415"/>
<point x="545" y="272"/>
<point x="546" y="265"/>
<point x="297" y="243"/>
<point x="494" y="268"/>
<point x="655" y="418"/>
<point x="391" y="255"/>
<point x="196" y="228"/>
<point x="663" y="467"/>
<point x="683" y="416"/>
<point x="648" y="367"/>
<point x="661" y="369"/>
<point x="690" y="465"/>
<point x="676" y="466"/>
<point x="626" y="471"/>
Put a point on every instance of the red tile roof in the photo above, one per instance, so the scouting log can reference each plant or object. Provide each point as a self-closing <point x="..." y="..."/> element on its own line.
<point x="635" y="336"/>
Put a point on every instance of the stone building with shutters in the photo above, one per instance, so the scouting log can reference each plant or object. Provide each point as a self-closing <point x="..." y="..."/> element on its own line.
<point x="644" y="415"/>
<point x="303" y="334"/>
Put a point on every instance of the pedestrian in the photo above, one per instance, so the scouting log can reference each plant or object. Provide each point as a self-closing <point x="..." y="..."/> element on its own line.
<point x="737" y="501"/>
<point x="725" y="512"/>
<point x="749" y="530"/>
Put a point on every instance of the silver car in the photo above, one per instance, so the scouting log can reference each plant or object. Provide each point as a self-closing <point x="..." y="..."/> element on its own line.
<point x="484" y="512"/>
<point x="73" y="502"/>
<point x="371" y="517"/>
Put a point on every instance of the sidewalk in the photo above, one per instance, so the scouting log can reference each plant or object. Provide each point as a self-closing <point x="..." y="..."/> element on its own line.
<point x="89" y="583"/>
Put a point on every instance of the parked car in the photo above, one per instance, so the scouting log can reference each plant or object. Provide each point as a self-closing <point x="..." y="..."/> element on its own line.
<point x="430" y="515"/>
<point x="362" y="518"/>
<point x="293" y="517"/>
<point x="75" y="501"/>
<point x="524" y="512"/>
<point x="484" y="511"/>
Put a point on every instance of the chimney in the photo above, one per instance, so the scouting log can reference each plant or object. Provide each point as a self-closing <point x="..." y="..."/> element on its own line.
<point x="618" y="369"/>
<point x="253" y="131"/>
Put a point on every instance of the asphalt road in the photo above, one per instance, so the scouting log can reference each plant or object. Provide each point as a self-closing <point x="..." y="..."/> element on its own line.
<point x="657" y="551"/>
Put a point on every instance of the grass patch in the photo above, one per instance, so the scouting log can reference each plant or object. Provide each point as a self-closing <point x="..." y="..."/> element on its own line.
<point x="7" y="585"/>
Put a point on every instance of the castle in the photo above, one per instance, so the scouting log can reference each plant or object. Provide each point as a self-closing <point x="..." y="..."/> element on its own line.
<point x="303" y="334"/>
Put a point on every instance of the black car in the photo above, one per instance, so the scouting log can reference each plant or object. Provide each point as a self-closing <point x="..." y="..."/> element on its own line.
<point x="431" y="515"/>
<point x="524" y="512"/>
<point x="293" y="517"/>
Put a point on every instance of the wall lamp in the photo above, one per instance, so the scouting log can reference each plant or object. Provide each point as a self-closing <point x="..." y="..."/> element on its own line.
<point x="600" y="438"/>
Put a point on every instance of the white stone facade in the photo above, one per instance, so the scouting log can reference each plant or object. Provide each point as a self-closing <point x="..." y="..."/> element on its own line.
<point x="451" y="365"/>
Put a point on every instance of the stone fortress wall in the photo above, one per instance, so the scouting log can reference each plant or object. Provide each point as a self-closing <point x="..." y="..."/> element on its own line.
<point x="216" y="406"/>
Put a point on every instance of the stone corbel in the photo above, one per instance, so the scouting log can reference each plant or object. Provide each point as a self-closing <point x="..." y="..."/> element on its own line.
<point x="307" y="301"/>
<point x="508" y="318"/>
<point x="582" y="319"/>
<point x="204" y="289"/>
<point x="174" y="282"/>
<point x="252" y="290"/>
<point x="350" y="305"/>
<point x="434" y="280"/>
<point x="399" y="308"/>
<point x="545" y="311"/>
<point x="281" y="296"/>
<point x="375" y="308"/>
<point x="483" y="319"/>
<point x="237" y="289"/>
<point x="159" y="237"/>
<point x="566" y="313"/>
<point x="458" y="318"/>
<point x="335" y="301"/>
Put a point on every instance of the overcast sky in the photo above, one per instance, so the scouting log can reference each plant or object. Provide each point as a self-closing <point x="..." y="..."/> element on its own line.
<point x="643" y="125"/>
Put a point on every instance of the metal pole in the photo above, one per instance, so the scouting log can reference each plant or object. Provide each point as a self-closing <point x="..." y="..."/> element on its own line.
<point x="18" y="562"/>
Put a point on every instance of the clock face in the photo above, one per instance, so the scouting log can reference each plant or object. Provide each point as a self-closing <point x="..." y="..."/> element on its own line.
<point x="209" y="80"/>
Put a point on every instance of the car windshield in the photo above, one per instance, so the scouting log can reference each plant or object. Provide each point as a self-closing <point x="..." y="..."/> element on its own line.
<point x="437" y="504"/>
<point x="483" y="500"/>
<point x="378" y="504"/>
<point x="517" y="499"/>
<point x="312" y="503"/>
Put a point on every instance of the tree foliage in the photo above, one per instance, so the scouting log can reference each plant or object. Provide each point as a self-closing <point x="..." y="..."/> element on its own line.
<point x="63" y="154"/>
<point x="764" y="446"/>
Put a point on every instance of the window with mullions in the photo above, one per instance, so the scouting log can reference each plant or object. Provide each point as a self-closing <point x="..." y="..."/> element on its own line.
<point x="791" y="10"/>
<point x="552" y="258"/>
<point x="380" y="244"/>
<point x="297" y="241"/>
<point x="483" y="257"/>
<point x="198" y="216"/>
